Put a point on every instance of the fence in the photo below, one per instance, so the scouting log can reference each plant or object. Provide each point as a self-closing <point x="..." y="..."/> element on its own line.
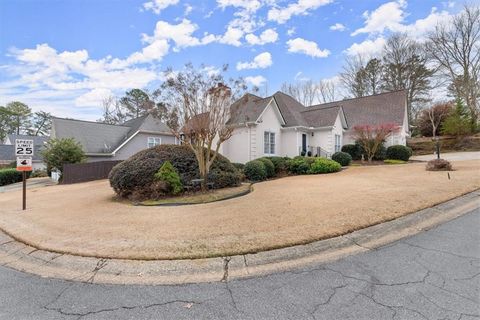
<point x="82" y="172"/>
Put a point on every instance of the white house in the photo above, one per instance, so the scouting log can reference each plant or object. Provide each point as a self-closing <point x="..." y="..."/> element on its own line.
<point x="281" y="126"/>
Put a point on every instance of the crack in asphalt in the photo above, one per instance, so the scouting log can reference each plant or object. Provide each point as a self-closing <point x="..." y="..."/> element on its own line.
<point x="439" y="251"/>
<point x="100" y="265"/>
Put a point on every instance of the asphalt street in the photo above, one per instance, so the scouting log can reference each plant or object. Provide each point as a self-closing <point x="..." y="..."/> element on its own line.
<point x="433" y="275"/>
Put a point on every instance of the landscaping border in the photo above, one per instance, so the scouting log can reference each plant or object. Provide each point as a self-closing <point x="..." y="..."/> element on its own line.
<point x="26" y="258"/>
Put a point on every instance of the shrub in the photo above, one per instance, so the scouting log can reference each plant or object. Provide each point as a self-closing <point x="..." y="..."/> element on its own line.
<point x="354" y="150"/>
<point x="398" y="152"/>
<point x="58" y="152"/>
<point x="269" y="167"/>
<point x="39" y="173"/>
<point x="322" y="165"/>
<point x="380" y="154"/>
<point x="255" y="170"/>
<point x="8" y="176"/>
<point x="137" y="172"/>
<point x="280" y="163"/>
<point x="298" y="165"/>
<point x="170" y="177"/>
<point x="439" y="165"/>
<point x="392" y="161"/>
<point x="239" y="166"/>
<point x="342" y="157"/>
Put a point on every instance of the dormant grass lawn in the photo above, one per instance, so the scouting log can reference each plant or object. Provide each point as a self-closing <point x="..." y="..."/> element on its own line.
<point x="82" y="218"/>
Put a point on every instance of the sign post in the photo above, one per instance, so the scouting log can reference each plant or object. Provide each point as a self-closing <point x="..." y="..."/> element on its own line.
<point x="24" y="153"/>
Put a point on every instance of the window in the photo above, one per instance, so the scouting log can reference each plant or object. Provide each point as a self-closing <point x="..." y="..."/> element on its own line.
<point x="338" y="143"/>
<point x="269" y="142"/>
<point x="153" y="141"/>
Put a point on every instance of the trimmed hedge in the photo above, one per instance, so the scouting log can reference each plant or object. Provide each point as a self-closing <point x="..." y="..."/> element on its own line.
<point x="137" y="172"/>
<point x="398" y="152"/>
<point x="255" y="170"/>
<point x="280" y="163"/>
<point x="354" y="150"/>
<point x="269" y="167"/>
<point x="239" y="166"/>
<point x="343" y="158"/>
<point x="298" y="165"/>
<point x="9" y="176"/>
<point x="323" y="165"/>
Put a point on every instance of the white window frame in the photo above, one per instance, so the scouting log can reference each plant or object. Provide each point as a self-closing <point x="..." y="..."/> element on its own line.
<point x="338" y="145"/>
<point x="153" y="141"/>
<point x="270" y="144"/>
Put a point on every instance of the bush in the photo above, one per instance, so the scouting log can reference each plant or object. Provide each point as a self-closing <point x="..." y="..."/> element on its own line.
<point x="239" y="166"/>
<point x="280" y="163"/>
<point x="439" y="165"/>
<point x="255" y="170"/>
<point x="170" y="177"/>
<point x="343" y="158"/>
<point x="398" y="152"/>
<point x="322" y="165"/>
<point x="58" y="152"/>
<point x="380" y="155"/>
<point x="298" y="165"/>
<point x="9" y="176"/>
<point x="269" y="167"/>
<point x="392" y="161"/>
<point x="354" y="150"/>
<point x="137" y="172"/>
<point x="40" y="173"/>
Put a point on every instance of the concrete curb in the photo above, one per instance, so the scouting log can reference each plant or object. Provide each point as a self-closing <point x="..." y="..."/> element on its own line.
<point x="25" y="258"/>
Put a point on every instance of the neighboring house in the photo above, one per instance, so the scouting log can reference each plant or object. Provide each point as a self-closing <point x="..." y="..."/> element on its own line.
<point x="281" y="126"/>
<point x="101" y="141"/>
<point x="7" y="150"/>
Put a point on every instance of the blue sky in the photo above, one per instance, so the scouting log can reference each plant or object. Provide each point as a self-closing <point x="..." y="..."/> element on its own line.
<point x="65" y="57"/>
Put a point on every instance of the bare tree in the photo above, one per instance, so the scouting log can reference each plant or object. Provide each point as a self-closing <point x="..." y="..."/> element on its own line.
<point x="353" y="76"/>
<point x="304" y="92"/>
<point x="199" y="110"/>
<point x="405" y="67"/>
<point x="373" y="73"/>
<point x="437" y="114"/>
<point x="455" y="47"/>
<point x="113" y="111"/>
<point x="326" y="91"/>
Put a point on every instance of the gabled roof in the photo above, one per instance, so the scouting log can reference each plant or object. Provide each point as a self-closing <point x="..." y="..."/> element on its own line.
<point x="388" y="107"/>
<point x="102" y="138"/>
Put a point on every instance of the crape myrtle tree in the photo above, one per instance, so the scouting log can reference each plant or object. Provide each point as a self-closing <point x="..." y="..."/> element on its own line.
<point x="371" y="137"/>
<point x="198" y="105"/>
<point x="431" y="119"/>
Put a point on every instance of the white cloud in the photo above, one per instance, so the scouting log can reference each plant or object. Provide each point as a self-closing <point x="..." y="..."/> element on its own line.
<point x="389" y="16"/>
<point x="421" y="27"/>
<point x="250" y="5"/>
<point x="368" y="48"/>
<point x="262" y="61"/>
<point x="158" y="5"/>
<point x="310" y="48"/>
<point x="267" y="36"/>
<point x="291" y="31"/>
<point x="257" y="81"/>
<point x="302" y="7"/>
<point x="188" y="9"/>
<point x="337" y="27"/>
<point x="232" y="36"/>
<point x="181" y="34"/>
<point x="93" y="97"/>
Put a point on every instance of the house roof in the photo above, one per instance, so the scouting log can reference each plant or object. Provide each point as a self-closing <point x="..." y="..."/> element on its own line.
<point x="386" y="107"/>
<point x="102" y="138"/>
<point x="37" y="140"/>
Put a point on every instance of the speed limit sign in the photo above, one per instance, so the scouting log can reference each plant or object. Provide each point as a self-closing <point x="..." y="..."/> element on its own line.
<point x="23" y="147"/>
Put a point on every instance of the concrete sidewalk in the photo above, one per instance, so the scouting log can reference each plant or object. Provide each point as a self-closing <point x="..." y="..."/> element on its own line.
<point x="450" y="156"/>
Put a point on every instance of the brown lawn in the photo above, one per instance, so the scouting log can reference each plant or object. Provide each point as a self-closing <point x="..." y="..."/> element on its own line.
<point x="83" y="219"/>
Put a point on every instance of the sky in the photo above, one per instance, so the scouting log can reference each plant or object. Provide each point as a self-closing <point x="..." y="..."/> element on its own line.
<point x="66" y="56"/>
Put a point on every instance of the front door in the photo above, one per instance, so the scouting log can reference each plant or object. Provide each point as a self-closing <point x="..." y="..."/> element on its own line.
<point x="304" y="142"/>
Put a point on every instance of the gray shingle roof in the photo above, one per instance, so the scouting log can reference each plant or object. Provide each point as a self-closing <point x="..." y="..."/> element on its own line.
<point x="97" y="137"/>
<point x="388" y="107"/>
<point x="37" y="140"/>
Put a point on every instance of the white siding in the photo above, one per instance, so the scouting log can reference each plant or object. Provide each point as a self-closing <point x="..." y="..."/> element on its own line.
<point x="270" y="122"/>
<point x="236" y="149"/>
<point x="290" y="143"/>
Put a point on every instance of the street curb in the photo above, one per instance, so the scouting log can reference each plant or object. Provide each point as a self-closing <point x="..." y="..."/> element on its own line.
<point x="19" y="256"/>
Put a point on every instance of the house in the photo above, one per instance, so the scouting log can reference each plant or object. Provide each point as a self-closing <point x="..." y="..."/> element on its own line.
<point x="281" y="126"/>
<point x="7" y="150"/>
<point x="102" y="141"/>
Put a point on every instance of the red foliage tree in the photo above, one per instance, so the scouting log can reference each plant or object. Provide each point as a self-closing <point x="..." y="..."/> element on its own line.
<point x="431" y="119"/>
<point x="371" y="137"/>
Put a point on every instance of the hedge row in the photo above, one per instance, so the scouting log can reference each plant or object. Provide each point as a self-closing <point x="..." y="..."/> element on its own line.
<point x="261" y="169"/>
<point x="396" y="152"/>
<point x="10" y="175"/>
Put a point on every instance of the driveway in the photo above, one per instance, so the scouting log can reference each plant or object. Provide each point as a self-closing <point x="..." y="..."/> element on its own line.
<point x="31" y="184"/>
<point x="433" y="275"/>
<point x="451" y="156"/>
